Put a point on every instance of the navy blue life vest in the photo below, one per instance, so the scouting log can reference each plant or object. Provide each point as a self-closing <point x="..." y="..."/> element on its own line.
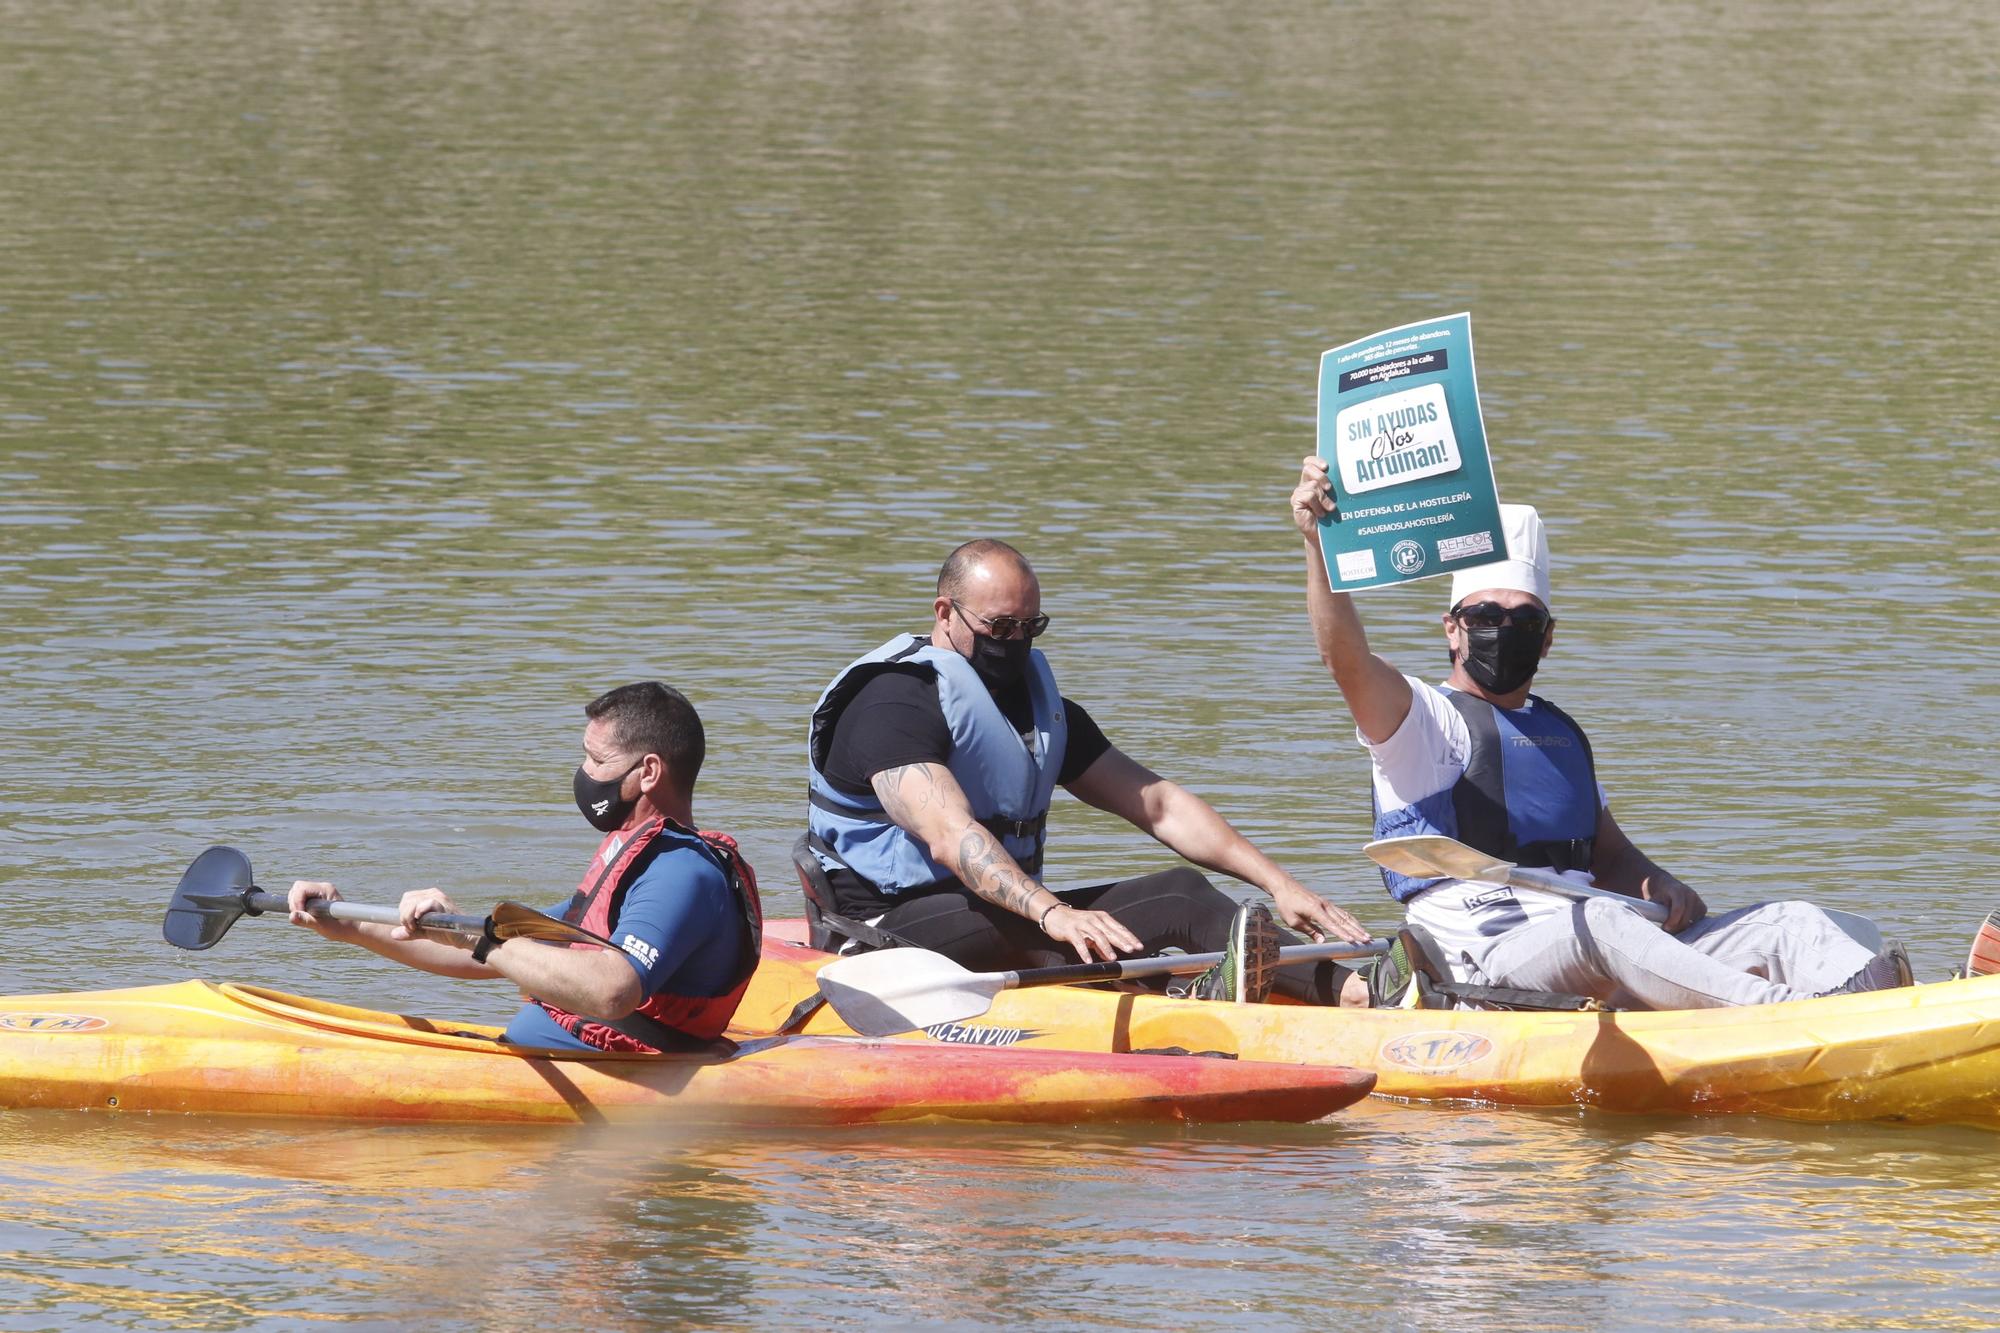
<point x="1528" y="793"/>
<point x="1008" y="779"/>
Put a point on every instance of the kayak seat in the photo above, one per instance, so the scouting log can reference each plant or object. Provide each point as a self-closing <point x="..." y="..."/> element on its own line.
<point x="1408" y="976"/>
<point x="1414" y="975"/>
<point x="830" y="931"/>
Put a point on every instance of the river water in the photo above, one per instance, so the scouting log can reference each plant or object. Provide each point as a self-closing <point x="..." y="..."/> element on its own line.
<point x="378" y="383"/>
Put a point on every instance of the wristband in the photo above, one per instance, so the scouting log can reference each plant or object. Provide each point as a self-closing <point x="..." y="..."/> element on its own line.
<point x="485" y="945"/>
<point x="1042" y="922"/>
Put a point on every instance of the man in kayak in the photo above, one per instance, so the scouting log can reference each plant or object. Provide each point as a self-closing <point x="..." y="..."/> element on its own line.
<point x="681" y="906"/>
<point x="933" y="760"/>
<point x="1483" y="760"/>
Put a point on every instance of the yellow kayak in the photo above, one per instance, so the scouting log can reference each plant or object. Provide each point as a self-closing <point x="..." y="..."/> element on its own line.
<point x="1920" y="1054"/>
<point x="197" y="1046"/>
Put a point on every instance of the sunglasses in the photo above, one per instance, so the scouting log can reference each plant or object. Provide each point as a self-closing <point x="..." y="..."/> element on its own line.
<point x="1492" y="615"/>
<point x="1005" y="627"/>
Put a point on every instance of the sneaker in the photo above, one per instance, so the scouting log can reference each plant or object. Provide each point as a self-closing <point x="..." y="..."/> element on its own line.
<point x="1985" y="956"/>
<point x="1392" y="982"/>
<point x="1885" y="971"/>
<point x="1249" y="961"/>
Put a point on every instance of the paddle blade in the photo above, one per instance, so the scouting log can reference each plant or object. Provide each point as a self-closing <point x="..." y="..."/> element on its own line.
<point x="515" y="921"/>
<point x="209" y="899"/>
<point x="1432" y="856"/>
<point x="889" y="991"/>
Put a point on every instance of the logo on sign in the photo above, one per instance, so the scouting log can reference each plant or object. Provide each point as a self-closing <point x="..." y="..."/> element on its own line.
<point x="1436" y="1052"/>
<point x="1398" y="437"/>
<point x="52" y="1023"/>
<point x="1407" y="556"/>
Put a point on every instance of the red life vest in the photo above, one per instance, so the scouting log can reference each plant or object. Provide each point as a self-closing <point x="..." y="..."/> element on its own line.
<point x="663" y="1022"/>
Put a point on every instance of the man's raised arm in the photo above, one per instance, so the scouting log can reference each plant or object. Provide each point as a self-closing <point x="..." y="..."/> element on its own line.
<point x="1376" y="693"/>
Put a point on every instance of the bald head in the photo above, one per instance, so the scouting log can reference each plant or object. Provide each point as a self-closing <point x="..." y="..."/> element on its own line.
<point x="982" y="556"/>
<point x="984" y="586"/>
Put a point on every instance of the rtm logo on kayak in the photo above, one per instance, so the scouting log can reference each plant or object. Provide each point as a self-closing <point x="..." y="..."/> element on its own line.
<point x="958" y="1034"/>
<point x="1436" y="1052"/>
<point x="52" y="1023"/>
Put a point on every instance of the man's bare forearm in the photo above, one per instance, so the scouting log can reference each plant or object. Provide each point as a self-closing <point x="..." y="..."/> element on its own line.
<point x="984" y="866"/>
<point x="917" y="801"/>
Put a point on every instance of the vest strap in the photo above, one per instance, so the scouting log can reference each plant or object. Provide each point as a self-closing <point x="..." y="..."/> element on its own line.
<point x="666" y="1040"/>
<point x="1507" y="997"/>
<point x="1556" y="854"/>
<point x="999" y="827"/>
<point x="1017" y="828"/>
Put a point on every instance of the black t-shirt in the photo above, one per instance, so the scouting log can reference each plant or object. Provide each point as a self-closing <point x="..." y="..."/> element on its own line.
<point x="896" y="719"/>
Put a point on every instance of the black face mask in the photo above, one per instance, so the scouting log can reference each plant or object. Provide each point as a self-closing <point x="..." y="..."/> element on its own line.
<point x="1503" y="660"/>
<point x="999" y="662"/>
<point x="599" y="800"/>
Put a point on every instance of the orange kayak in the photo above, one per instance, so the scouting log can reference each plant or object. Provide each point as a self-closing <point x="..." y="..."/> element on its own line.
<point x="198" y="1046"/>
<point x="1919" y="1054"/>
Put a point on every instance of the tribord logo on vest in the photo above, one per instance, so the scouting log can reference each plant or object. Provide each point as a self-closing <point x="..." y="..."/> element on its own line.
<point x="1397" y="437"/>
<point x="1435" y="1052"/>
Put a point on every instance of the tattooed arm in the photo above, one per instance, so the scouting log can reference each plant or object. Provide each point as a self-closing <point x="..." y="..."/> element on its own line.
<point x="926" y="801"/>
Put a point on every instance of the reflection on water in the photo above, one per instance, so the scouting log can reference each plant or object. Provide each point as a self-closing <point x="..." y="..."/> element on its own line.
<point x="1422" y="1217"/>
<point x="377" y="385"/>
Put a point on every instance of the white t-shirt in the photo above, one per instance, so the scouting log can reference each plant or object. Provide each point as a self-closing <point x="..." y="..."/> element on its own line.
<point x="1425" y="756"/>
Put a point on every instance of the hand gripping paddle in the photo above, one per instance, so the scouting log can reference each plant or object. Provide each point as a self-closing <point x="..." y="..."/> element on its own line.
<point x="217" y="890"/>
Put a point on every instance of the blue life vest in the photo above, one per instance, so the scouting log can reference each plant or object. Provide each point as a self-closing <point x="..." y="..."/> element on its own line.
<point x="1008" y="784"/>
<point x="1528" y="793"/>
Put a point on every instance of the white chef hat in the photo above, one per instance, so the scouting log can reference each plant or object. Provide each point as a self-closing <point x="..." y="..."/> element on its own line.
<point x="1526" y="568"/>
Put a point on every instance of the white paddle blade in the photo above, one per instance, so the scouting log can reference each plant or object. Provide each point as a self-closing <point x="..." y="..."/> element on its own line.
<point x="1434" y="856"/>
<point x="889" y="991"/>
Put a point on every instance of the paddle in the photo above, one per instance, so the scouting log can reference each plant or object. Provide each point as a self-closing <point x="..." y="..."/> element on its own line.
<point x="217" y="890"/>
<point x="1434" y="856"/>
<point x="889" y="991"/>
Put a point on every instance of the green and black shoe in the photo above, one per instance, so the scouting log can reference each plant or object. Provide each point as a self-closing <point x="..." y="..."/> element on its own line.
<point x="1249" y="961"/>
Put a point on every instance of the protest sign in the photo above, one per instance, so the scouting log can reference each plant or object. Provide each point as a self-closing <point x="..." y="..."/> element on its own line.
<point x="1405" y="445"/>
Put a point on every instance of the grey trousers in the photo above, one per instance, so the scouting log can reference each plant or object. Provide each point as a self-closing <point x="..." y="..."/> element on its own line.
<point x="1754" y="955"/>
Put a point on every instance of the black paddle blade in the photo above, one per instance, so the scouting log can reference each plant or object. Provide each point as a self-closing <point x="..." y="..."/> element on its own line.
<point x="209" y="899"/>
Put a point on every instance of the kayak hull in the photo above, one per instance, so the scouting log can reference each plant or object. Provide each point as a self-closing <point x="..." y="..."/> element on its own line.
<point x="202" y="1047"/>
<point x="1920" y="1054"/>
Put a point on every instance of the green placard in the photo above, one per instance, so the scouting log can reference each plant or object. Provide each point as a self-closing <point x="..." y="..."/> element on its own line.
<point x="1400" y="429"/>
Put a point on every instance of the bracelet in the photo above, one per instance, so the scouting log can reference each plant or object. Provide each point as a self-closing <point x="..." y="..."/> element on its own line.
<point x="486" y="944"/>
<point x="1042" y="922"/>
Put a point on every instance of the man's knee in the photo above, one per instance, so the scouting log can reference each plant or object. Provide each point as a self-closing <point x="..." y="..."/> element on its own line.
<point x="1190" y="884"/>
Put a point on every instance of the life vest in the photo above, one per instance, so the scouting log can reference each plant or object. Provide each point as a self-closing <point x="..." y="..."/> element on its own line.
<point x="662" y="1022"/>
<point x="1009" y="781"/>
<point x="1528" y="793"/>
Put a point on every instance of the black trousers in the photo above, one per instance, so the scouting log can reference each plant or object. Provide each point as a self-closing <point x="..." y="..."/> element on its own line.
<point x="1174" y="909"/>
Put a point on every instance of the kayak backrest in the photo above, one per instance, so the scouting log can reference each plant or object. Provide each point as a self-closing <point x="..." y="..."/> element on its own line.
<point x="818" y="893"/>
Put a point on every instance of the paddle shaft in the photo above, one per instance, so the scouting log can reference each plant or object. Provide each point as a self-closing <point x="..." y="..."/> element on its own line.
<point x="1178" y="964"/>
<point x="1433" y="855"/>
<point x="256" y="904"/>
<point x="1548" y="881"/>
